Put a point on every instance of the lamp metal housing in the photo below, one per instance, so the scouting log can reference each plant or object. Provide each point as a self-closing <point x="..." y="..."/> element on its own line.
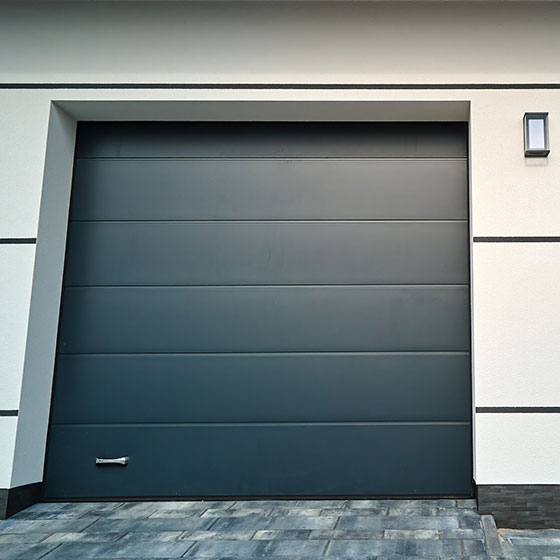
<point x="535" y="129"/>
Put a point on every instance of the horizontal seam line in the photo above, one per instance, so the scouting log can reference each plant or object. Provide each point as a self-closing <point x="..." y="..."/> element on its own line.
<point x="217" y="286"/>
<point x="289" y="352"/>
<point x="283" y="159"/>
<point x="520" y="239"/>
<point x="351" y="353"/>
<point x="163" y="286"/>
<point x="518" y="409"/>
<point x="17" y="240"/>
<point x="297" y="86"/>
<point x="271" y="424"/>
<point x="274" y="221"/>
<point x="8" y="412"/>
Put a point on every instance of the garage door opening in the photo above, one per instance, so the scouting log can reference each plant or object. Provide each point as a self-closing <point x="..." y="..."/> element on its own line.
<point x="265" y="309"/>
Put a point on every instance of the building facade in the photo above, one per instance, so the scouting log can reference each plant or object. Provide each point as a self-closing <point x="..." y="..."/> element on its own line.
<point x="280" y="248"/>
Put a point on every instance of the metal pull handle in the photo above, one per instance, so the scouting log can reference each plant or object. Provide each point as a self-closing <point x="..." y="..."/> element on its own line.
<point x="118" y="461"/>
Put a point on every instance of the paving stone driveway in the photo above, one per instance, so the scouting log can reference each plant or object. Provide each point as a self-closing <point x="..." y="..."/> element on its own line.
<point x="276" y="530"/>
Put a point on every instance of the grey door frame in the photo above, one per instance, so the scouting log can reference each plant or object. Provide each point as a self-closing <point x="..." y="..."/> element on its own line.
<point x="53" y="217"/>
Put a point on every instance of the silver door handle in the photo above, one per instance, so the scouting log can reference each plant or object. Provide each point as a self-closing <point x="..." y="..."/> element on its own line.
<point x="118" y="461"/>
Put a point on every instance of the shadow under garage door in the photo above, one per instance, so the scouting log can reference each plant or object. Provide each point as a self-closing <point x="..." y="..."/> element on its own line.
<point x="265" y="309"/>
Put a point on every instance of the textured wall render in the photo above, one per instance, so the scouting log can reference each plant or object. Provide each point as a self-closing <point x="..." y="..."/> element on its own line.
<point x="378" y="42"/>
<point x="316" y="43"/>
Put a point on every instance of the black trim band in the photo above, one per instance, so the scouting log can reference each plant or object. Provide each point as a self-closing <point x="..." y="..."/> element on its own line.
<point x="18" y="240"/>
<point x="520" y="239"/>
<point x="521" y="506"/>
<point x="45" y="85"/>
<point x="13" y="500"/>
<point x="8" y="412"/>
<point x="519" y="409"/>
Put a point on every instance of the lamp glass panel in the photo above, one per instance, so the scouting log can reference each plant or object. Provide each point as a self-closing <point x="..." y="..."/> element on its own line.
<point x="536" y="135"/>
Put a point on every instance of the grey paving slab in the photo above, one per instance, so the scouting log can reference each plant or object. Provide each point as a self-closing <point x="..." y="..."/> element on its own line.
<point x="470" y="522"/>
<point x="269" y="535"/>
<point x="492" y="541"/>
<point x="249" y="522"/>
<point x="269" y="503"/>
<point x="151" y="525"/>
<point x="336" y="534"/>
<point x="161" y="514"/>
<point x="320" y="504"/>
<point x="530" y="533"/>
<point x="90" y="536"/>
<point x="365" y="504"/>
<point x="150" y="536"/>
<point x="89" y="508"/>
<point x="429" y="557"/>
<point x="395" y="547"/>
<point x="474" y="546"/>
<point x="24" y="551"/>
<point x="461" y="534"/>
<point x="43" y="515"/>
<point x="313" y="512"/>
<point x="44" y="526"/>
<point x="277" y="529"/>
<point x="133" y="510"/>
<point x="72" y="551"/>
<point x="223" y="548"/>
<point x="280" y="547"/>
<point x="26" y="538"/>
<point x="420" y="510"/>
<point x="411" y="534"/>
<point x="235" y="512"/>
<point x="410" y="522"/>
<point x="216" y="535"/>
<point x="349" y="512"/>
<point x="302" y="522"/>
<point x="466" y="503"/>
<point x="534" y="541"/>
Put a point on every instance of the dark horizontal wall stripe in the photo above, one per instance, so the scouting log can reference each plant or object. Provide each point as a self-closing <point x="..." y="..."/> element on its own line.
<point x="8" y="412"/>
<point x="18" y="240"/>
<point x="70" y="85"/>
<point x="511" y="239"/>
<point x="518" y="409"/>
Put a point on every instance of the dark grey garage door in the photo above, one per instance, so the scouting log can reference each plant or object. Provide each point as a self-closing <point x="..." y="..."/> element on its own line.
<point x="265" y="310"/>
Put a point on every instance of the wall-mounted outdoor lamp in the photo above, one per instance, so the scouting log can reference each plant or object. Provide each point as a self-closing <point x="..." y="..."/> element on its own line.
<point x="535" y="127"/>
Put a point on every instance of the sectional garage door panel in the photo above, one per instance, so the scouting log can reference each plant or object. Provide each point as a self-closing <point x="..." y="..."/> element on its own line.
<point x="258" y="459"/>
<point x="264" y="319"/>
<point x="270" y="189"/>
<point x="275" y="309"/>
<point x="225" y="253"/>
<point x="279" y="140"/>
<point x="257" y="387"/>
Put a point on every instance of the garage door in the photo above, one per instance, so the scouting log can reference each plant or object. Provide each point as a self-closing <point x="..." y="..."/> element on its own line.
<point x="265" y="309"/>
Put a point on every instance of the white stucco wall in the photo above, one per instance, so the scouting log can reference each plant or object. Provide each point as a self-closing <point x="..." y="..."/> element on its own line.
<point x="515" y="288"/>
<point x="277" y="42"/>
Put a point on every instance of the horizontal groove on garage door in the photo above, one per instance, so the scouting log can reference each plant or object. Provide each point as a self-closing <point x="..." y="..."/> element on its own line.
<point x="210" y="319"/>
<point x="284" y="388"/>
<point x="280" y="139"/>
<point x="294" y="253"/>
<point x="322" y="460"/>
<point x="190" y="190"/>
